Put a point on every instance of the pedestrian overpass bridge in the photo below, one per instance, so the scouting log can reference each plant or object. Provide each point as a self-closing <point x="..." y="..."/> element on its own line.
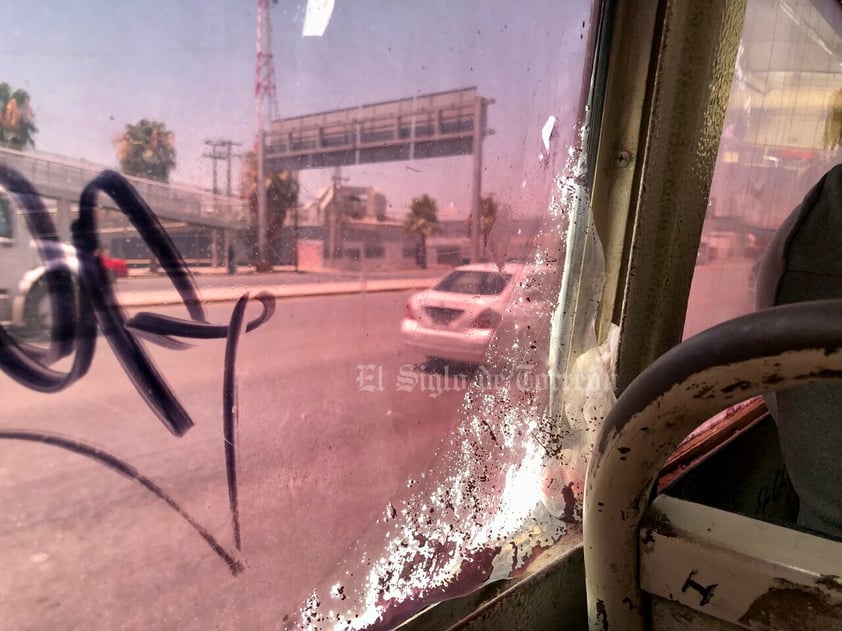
<point x="63" y="180"/>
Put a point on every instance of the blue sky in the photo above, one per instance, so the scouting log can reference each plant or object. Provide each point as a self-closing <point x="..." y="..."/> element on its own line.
<point x="92" y="66"/>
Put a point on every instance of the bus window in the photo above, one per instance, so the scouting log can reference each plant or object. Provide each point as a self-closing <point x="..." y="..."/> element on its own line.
<point x="781" y="134"/>
<point x="273" y="419"/>
<point x="780" y="137"/>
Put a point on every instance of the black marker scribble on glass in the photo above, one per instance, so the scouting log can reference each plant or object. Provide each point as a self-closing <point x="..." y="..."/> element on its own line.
<point x="166" y="327"/>
<point x="77" y="311"/>
<point x="114" y="463"/>
<point x="229" y="413"/>
<point x="135" y="361"/>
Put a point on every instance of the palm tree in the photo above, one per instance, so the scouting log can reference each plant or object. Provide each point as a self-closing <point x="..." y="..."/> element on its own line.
<point x="147" y="149"/>
<point x="281" y="197"/>
<point x="422" y="221"/>
<point x="16" y="118"/>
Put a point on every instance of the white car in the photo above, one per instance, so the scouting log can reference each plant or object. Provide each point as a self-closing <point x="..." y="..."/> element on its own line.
<point x="456" y="319"/>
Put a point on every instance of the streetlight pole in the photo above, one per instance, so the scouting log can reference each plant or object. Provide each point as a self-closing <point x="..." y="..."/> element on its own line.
<point x="480" y="132"/>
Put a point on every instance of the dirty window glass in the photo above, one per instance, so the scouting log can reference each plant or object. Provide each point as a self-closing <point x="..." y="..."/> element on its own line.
<point x="232" y="398"/>
<point x="781" y="135"/>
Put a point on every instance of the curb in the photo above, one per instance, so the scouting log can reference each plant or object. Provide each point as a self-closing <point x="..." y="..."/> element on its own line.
<point x="303" y="290"/>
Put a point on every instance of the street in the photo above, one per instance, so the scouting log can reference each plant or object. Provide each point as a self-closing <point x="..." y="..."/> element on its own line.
<point x="323" y="439"/>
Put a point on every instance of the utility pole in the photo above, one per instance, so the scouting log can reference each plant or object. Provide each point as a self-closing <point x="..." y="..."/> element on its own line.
<point x="480" y="132"/>
<point x="335" y="214"/>
<point x="265" y="109"/>
<point x="221" y="149"/>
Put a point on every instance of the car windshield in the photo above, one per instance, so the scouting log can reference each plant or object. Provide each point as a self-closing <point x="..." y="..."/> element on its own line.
<point x="474" y="283"/>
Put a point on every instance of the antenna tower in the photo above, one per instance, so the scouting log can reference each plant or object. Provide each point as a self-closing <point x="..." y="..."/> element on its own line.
<point x="265" y="96"/>
<point x="265" y="110"/>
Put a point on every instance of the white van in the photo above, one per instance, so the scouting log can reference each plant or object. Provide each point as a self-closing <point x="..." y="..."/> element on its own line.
<point x="24" y="299"/>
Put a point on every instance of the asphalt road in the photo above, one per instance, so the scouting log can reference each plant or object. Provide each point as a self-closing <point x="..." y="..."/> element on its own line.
<point x="319" y="458"/>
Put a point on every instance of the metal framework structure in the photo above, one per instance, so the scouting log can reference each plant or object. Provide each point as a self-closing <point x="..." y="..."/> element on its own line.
<point x="427" y="126"/>
<point x="442" y="124"/>
<point x="221" y="149"/>
<point x="265" y="93"/>
<point x="60" y="178"/>
<point x="265" y="108"/>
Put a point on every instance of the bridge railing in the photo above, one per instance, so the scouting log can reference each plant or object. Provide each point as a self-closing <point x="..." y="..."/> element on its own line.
<point x="61" y="178"/>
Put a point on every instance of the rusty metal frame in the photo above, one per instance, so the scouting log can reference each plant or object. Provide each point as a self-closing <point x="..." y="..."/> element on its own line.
<point x="667" y="88"/>
<point x="739" y="570"/>
<point x="778" y="348"/>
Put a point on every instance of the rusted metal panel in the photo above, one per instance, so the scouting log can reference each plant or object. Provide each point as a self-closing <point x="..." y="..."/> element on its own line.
<point x="550" y="597"/>
<point x="746" y="572"/>
<point x="666" y="615"/>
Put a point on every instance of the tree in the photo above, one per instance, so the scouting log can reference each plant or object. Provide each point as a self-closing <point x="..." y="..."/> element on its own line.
<point x="281" y="197"/>
<point x="147" y="149"/>
<point x="488" y="215"/>
<point x="422" y="221"/>
<point x="17" y="125"/>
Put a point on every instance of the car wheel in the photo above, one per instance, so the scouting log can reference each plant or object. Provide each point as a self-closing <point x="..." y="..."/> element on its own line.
<point x="38" y="310"/>
<point x="37" y="316"/>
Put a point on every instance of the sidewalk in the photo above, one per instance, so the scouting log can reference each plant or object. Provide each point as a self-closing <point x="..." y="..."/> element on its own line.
<point x="274" y="284"/>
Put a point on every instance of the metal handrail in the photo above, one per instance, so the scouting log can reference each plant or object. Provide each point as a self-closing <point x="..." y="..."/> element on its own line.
<point x="770" y="350"/>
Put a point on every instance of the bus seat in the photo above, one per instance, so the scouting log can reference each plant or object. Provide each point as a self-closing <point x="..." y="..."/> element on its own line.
<point x="782" y="347"/>
<point x="804" y="262"/>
